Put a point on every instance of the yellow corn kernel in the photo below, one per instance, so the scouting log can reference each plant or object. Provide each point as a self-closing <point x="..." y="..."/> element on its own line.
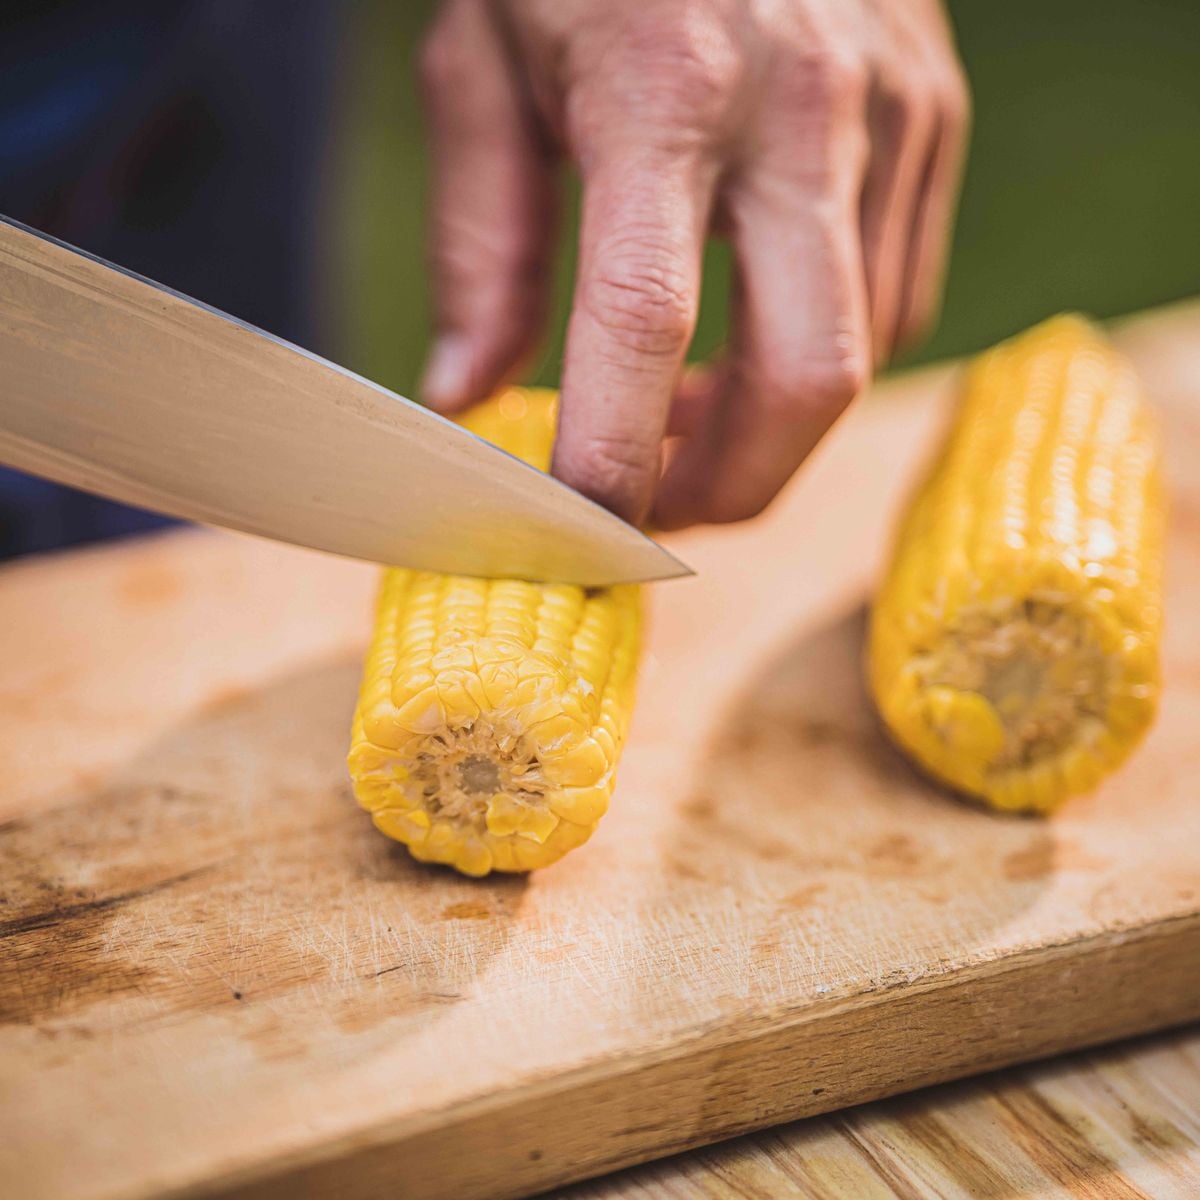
<point x="492" y="712"/>
<point x="1014" y="642"/>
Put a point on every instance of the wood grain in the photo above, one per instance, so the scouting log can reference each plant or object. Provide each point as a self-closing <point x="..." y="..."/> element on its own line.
<point x="218" y="978"/>
<point x="1116" y="1124"/>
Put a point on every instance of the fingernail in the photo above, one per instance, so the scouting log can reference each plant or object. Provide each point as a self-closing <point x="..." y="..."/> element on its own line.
<point x="447" y="376"/>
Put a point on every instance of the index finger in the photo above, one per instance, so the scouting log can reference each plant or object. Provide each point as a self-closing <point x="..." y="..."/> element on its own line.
<point x="634" y="311"/>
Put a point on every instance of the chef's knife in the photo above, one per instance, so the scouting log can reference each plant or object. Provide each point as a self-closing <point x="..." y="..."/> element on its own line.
<point x="118" y="385"/>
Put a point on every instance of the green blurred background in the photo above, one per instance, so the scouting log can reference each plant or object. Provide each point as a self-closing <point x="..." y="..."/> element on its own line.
<point x="1082" y="189"/>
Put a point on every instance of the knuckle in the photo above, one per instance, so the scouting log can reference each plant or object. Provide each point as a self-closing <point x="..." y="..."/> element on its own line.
<point x="956" y="101"/>
<point x="831" y="78"/>
<point x="643" y="299"/>
<point x="614" y="468"/>
<point x="904" y="104"/>
<point x="822" y="94"/>
<point x="915" y="85"/>
<point x="815" y="390"/>
<point x="829" y="386"/>
<point x="686" y="62"/>
<point x="844" y="72"/>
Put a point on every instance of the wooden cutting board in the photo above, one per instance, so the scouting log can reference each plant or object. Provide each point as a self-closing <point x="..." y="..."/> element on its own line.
<point x="217" y="978"/>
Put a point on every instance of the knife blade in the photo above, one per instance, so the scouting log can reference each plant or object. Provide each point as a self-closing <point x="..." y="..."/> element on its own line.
<point x="118" y="385"/>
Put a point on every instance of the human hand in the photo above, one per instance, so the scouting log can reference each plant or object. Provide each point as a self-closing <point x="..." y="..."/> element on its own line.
<point x="824" y="137"/>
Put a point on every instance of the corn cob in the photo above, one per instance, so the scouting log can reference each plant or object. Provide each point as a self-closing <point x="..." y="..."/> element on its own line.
<point x="492" y="712"/>
<point x="1014" y="641"/>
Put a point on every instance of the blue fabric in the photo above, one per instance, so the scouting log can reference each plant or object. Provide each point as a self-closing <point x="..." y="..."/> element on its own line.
<point x="182" y="141"/>
<point x="38" y="515"/>
<point x="63" y="67"/>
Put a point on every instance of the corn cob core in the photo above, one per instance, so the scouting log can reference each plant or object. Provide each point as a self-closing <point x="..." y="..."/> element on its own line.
<point x="1014" y="641"/>
<point x="492" y="712"/>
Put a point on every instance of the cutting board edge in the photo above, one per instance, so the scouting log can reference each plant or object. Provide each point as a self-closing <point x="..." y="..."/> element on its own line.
<point x="1120" y="984"/>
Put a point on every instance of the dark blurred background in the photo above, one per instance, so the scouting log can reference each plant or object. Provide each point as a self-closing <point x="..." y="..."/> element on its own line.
<point x="268" y="159"/>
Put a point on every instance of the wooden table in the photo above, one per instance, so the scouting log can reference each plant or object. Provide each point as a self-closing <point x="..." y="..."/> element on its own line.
<point x="217" y="978"/>
<point x="1122" y="1123"/>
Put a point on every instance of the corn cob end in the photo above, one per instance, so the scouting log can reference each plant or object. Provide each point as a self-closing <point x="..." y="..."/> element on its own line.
<point x="1023" y="701"/>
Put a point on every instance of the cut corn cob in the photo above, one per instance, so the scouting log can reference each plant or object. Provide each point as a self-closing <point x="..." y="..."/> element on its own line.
<point x="492" y="712"/>
<point x="1014" y="642"/>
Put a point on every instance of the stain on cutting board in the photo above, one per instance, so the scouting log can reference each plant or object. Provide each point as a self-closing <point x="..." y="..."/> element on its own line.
<point x="768" y="816"/>
<point x="149" y="584"/>
<point x="138" y="899"/>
